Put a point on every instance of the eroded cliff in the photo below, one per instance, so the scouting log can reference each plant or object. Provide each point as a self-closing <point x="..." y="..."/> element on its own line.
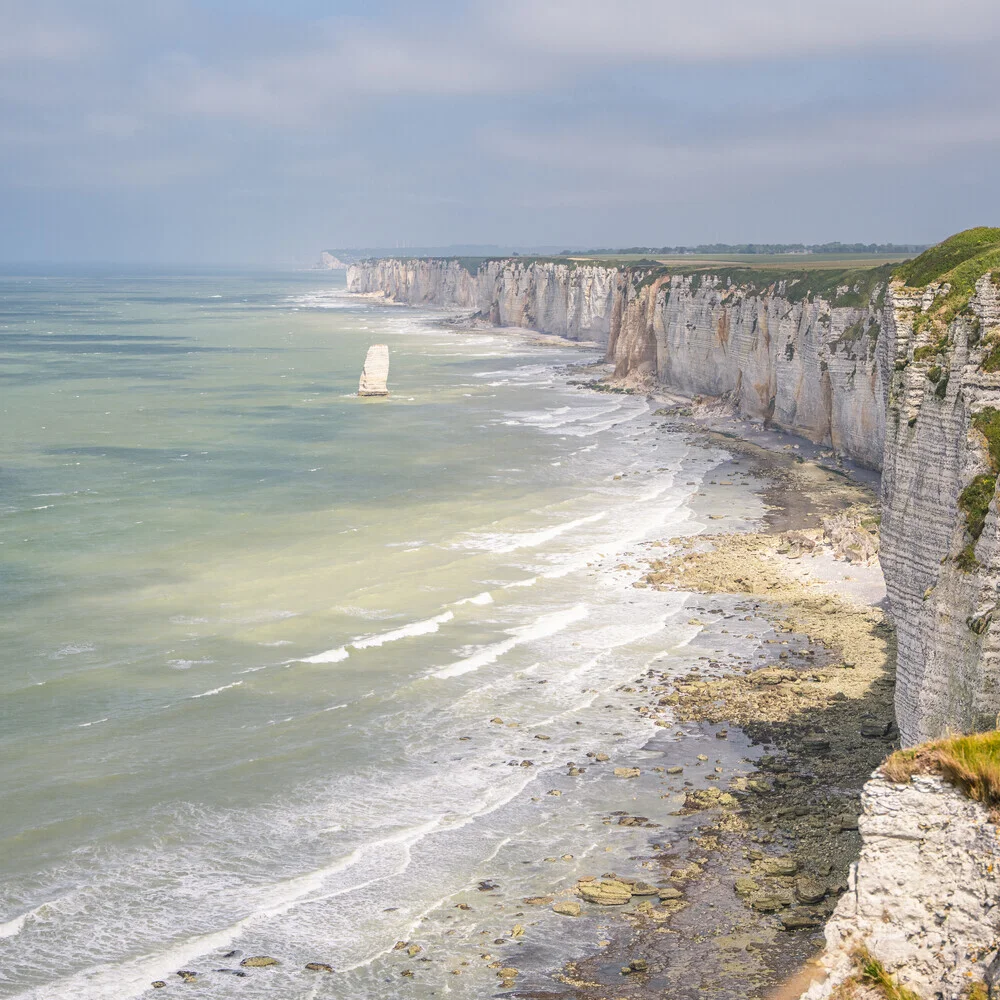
<point x="921" y="898"/>
<point x="940" y="534"/>
<point x="796" y="349"/>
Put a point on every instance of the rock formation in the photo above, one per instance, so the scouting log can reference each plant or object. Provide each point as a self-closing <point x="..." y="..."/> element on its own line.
<point x="921" y="898"/>
<point x="375" y="372"/>
<point x="899" y="372"/>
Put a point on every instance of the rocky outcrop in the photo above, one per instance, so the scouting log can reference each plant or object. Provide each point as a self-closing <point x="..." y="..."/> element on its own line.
<point x="922" y="897"/>
<point x="900" y="374"/>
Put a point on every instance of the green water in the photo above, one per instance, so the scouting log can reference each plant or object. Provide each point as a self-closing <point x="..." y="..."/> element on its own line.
<point x="255" y="627"/>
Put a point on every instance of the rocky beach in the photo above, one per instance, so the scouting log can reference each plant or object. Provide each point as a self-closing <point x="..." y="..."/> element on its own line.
<point x="734" y="906"/>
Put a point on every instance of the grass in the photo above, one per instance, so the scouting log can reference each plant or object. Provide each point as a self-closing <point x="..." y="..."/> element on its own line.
<point x="960" y="260"/>
<point x="871" y="972"/>
<point x="976" y="498"/>
<point x="934" y="264"/>
<point x="971" y="763"/>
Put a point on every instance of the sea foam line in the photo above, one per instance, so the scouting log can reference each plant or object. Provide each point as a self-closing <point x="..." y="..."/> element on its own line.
<point x="425" y="627"/>
<point x="545" y="626"/>
<point x="225" y="687"/>
<point x="529" y="539"/>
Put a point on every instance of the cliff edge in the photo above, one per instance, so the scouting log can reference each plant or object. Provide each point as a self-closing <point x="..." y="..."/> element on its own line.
<point x="920" y="912"/>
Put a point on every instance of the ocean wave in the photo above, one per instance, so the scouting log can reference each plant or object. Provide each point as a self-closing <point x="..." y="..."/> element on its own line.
<point x="335" y="299"/>
<point x="188" y="664"/>
<point x="425" y="627"/>
<point x="484" y="598"/>
<point x="328" y="656"/>
<point x="72" y="649"/>
<point x="542" y="628"/>
<point x="225" y="687"/>
<point x="501" y="543"/>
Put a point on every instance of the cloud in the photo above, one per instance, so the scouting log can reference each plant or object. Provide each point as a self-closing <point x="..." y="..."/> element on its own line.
<point x="716" y="30"/>
<point x="880" y="142"/>
<point x="38" y="35"/>
<point x="486" y="117"/>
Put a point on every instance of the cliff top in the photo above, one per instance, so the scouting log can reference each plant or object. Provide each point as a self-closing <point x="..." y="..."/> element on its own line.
<point x="973" y="251"/>
<point x="971" y="763"/>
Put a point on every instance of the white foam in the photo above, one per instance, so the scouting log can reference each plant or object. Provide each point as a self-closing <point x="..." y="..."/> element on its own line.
<point x="415" y="628"/>
<point x="87" y="725"/>
<point x="484" y="598"/>
<point x="529" y="582"/>
<point x="73" y="649"/>
<point x="225" y="687"/>
<point x="502" y="543"/>
<point x="188" y="664"/>
<point x="329" y="656"/>
<point x="545" y="626"/>
<point x="12" y="927"/>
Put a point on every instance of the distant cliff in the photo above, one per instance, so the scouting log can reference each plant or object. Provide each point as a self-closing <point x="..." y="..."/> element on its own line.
<point x="795" y="348"/>
<point x="573" y="302"/>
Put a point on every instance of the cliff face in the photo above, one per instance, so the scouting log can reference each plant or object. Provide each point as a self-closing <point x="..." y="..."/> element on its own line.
<point x="901" y="375"/>
<point x="921" y="898"/>
<point x="940" y="534"/>
<point x="804" y="359"/>
<point x="574" y="302"/>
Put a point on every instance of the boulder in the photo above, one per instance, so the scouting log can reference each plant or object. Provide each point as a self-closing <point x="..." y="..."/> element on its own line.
<point x="779" y="866"/>
<point x="606" y="892"/>
<point x="809" y="890"/>
<point x="567" y="909"/>
<point x="259" y="962"/>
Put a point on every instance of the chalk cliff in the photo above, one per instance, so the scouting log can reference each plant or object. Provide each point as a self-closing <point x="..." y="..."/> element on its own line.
<point x="796" y="349"/>
<point x="922" y="897"/>
<point x="573" y="302"/>
<point x="897" y="373"/>
<point x="940" y="533"/>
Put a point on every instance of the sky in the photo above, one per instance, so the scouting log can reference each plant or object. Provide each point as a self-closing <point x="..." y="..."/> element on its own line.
<point x="264" y="131"/>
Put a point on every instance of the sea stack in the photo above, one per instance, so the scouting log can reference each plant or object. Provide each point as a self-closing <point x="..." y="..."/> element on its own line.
<point x="375" y="372"/>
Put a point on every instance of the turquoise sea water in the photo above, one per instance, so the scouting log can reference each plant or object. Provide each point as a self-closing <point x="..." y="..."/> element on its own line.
<point x="254" y="631"/>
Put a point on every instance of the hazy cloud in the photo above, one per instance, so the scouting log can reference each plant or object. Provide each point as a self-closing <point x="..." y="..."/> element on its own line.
<point x="208" y="125"/>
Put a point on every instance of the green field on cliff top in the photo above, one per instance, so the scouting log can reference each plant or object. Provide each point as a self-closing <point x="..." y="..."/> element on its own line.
<point x="803" y="261"/>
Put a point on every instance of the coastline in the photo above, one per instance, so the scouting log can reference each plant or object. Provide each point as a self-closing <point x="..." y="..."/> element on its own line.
<point x="764" y="853"/>
<point x="767" y="851"/>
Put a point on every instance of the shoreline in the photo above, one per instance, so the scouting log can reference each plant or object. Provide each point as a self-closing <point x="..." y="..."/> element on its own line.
<point x="765" y="855"/>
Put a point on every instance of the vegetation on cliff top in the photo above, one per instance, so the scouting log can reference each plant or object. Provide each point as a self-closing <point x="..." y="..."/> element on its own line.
<point x="960" y="261"/>
<point x="976" y="498"/>
<point x="971" y="763"/>
<point x="936" y="263"/>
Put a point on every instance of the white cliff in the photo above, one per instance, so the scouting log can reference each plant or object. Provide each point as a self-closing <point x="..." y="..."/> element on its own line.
<point x="922" y="898"/>
<point x="803" y="360"/>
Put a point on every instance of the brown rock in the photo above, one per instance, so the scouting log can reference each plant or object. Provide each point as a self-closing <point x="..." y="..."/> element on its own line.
<point x="606" y="892"/>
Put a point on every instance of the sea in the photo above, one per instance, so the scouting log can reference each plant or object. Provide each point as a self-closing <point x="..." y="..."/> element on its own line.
<point x="287" y="672"/>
